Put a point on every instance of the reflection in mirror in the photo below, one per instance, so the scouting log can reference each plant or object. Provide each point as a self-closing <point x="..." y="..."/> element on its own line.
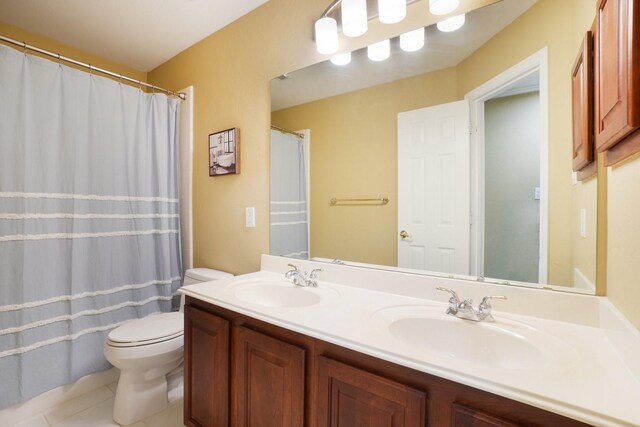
<point x="494" y="201"/>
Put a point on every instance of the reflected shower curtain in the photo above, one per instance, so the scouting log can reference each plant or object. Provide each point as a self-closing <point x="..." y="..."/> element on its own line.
<point x="288" y="210"/>
<point x="89" y="227"/>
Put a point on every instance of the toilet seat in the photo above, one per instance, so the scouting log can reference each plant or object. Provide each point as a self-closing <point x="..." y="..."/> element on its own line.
<point x="148" y="330"/>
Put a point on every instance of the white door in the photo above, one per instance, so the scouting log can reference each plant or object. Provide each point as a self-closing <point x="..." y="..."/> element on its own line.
<point x="434" y="188"/>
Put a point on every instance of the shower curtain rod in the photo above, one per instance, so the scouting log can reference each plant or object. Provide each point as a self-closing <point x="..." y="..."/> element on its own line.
<point x="299" y="135"/>
<point x="91" y="68"/>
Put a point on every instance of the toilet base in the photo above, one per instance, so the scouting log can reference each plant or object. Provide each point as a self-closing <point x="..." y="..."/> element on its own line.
<point x="139" y="396"/>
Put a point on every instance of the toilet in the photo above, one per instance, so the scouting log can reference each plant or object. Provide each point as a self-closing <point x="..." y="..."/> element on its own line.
<point x="146" y="350"/>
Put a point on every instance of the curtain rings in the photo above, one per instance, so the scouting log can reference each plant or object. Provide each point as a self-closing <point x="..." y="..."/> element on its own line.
<point x="59" y="61"/>
<point x="24" y="47"/>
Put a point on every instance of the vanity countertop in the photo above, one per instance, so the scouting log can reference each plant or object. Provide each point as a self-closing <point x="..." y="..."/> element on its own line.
<point x="585" y="364"/>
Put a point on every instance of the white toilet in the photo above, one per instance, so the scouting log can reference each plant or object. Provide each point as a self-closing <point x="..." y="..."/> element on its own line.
<point x="146" y="350"/>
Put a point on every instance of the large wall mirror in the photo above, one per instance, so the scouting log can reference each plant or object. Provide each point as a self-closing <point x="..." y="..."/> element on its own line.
<point x="455" y="159"/>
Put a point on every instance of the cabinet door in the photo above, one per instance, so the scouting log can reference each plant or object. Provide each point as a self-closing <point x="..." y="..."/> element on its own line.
<point x="349" y="397"/>
<point x="582" y="104"/>
<point x="618" y="71"/>
<point x="268" y="381"/>
<point x="467" y="417"/>
<point x="206" y="369"/>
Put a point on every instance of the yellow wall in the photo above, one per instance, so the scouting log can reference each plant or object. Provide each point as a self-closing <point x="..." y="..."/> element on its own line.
<point x="623" y="231"/>
<point x="354" y="154"/>
<point x="64" y="50"/>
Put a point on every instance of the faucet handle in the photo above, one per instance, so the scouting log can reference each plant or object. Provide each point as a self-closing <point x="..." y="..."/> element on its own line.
<point x="293" y="266"/>
<point x="454" y="295"/>
<point x="314" y="273"/>
<point x="485" y="304"/>
<point x="454" y="301"/>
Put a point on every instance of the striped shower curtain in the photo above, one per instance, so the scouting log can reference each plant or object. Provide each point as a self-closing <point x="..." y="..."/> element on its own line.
<point x="89" y="227"/>
<point x="288" y="210"/>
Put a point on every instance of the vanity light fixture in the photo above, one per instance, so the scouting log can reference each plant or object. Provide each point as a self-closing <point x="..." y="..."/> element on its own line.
<point x="379" y="51"/>
<point x="412" y="41"/>
<point x="341" y="58"/>
<point x="354" y="17"/>
<point x="326" y="35"/>
<point x="443" y="7"/>
<point x="451" y="24"/>
<point x="391" y="11"/>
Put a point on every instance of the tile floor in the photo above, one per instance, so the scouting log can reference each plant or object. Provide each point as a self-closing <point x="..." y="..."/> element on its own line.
<point x="94" y="409"/>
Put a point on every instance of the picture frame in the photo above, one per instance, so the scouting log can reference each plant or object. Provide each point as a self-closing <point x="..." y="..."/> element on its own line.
<point x="224" y="152"/>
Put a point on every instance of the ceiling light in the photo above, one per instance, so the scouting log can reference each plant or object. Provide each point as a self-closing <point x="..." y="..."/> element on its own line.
<point x="451" y="24"/>
<point x="412" y="41"/>
<point x="379" y="51"/>
<point x="442" y="7"/>
<point x="341" y="59"/>
<point x="354" y="17"/>
<point x="326" y="35"/>
<point x="391" y="11"/>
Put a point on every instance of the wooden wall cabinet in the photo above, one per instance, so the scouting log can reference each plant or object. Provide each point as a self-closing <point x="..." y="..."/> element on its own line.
<point x="286" y="379"/>
<point x="582" y="105"/>
<point x="617" y="97"/>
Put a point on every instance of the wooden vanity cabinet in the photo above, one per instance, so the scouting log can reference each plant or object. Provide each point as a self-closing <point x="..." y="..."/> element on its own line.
<point x="206" y="369"/>
<point x="268" y="380"/>
<point x="348" y="396"/>
<point x="617" y="97"/>
<point x="282" y="378"/>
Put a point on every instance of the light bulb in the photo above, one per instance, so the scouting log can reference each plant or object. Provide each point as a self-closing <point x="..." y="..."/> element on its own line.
<point x="354" y="17"/>
<point x="442" y="7"/>
<point x="379" y="51"/>
<point x="412" y="41"/>
<point x="326" y="35"/>
<point x="391" y="11"/>
<point x="451" y="24"/>
<point x="341" y="59"/>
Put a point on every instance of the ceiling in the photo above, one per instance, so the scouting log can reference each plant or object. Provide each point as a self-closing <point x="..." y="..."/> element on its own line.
<point x="441" y="50"/>
<point x="141" y="34"/>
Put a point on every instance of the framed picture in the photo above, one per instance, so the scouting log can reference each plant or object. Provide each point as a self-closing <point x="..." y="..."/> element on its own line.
<point x="224" y="152"/>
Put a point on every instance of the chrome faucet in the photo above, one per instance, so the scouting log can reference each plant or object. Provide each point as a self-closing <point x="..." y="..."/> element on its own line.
<point x="464" y="309"/>
<point x="304" y="279"/>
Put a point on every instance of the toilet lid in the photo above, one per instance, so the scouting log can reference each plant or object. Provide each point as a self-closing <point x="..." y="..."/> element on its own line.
<point x="149" y="329"/>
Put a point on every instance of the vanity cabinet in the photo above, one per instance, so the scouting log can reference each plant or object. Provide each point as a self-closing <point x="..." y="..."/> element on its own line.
<point x="282" y="378"/>
<point x="206" y="370"/>
<point x="268" y="380"/>
<point x="617" y="97"/>
<point x="348" y="397"/>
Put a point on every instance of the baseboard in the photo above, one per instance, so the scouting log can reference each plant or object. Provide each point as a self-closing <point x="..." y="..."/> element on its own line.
<point x="53" y="398"/>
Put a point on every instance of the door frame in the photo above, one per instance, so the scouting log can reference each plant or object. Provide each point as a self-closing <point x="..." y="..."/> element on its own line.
<point x="538" y="62"/>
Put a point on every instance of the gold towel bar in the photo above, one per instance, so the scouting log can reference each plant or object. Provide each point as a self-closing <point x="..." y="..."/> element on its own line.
<point x="381" y="200"/>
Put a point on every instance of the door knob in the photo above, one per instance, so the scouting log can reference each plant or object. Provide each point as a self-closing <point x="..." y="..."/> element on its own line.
<point x="404" y="234"/>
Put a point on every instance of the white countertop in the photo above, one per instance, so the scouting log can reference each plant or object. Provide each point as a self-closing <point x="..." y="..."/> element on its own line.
<point x="593" y="376"/>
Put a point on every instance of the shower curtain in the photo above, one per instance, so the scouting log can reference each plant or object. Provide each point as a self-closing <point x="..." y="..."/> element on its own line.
<point x="89" y="225"/>
<point x="288" y="213"/>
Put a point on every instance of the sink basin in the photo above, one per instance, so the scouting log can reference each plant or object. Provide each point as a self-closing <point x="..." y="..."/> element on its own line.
<point x="503" y="344"/>
<point x="280" y="293"/>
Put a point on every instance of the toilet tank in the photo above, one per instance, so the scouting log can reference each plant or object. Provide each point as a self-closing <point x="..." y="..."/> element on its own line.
<point x="198" y="275"/>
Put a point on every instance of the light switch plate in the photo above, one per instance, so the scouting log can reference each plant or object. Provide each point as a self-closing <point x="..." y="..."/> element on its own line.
<point x="250" y="217"/>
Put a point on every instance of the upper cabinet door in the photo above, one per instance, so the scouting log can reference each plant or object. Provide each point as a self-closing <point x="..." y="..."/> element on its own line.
<point x="618" y="88"/>
<point x="582" y="104"/>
